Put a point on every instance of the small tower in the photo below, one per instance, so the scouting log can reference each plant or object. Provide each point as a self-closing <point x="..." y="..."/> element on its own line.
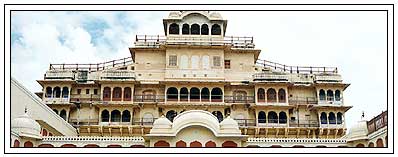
<point x="194" y="24"/>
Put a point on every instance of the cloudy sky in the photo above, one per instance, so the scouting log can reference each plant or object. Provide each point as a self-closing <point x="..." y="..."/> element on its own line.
<point x="355" y="42"/>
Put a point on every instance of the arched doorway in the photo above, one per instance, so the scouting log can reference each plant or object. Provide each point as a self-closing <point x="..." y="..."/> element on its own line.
<point x="161" y="144"/>
<point x="210" y="144"/>
<point x="195" y="144"/>
<point x="28" y="144"/>
<point x="181" y="144"/>
<point x="114" y="146"/>
<point x="360" y="145"/>
<point x="371" y="144"/>
<point x="16" y="143"/>
<point x="68" y="145"/>
<point x="46" y="146"/>
<point x="379" y="143"/>
<point x="229" y="144"/>
<point x="91" y="146"/>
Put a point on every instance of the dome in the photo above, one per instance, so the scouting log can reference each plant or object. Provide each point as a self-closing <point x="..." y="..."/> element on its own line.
<point x="358" y="131"/>
<point x="229" y="125"/>
<point x="215" y="15"/>
<point x="24" y="125"/>
<point x="196" y="117"/>
<point x="174" y="14"/>
<point x="162" y="122"/>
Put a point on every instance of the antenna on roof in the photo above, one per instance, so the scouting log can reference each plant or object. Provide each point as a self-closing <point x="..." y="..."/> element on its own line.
<point x="363" y="115"/>
<point x="26" y="109"/>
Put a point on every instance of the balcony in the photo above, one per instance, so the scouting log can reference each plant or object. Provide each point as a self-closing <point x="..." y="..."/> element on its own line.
<point x="83" y="122"/>
<point x="154" y="41"/>
<point x="246" y="122"/>
<point x="303" y="123"/>
<point x="118" y="75"/>
<point x="270" y="77"/>
<point x="328" y="78"/>
<point x="303" y="101"/>
<point x="93" y="67"/>
<point x="149" y="98"/>
<point x="276" y="123"/>
<point x="56" y="100"/>
<point x="59" y="74"/>
<point x="134" y="121"/>
<point x="277" y="67"/>
<point x="239" y="99"/>
<point x="85" y="97"/>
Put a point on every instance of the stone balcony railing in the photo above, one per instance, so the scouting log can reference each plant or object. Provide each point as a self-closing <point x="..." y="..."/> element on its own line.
<point x="59" y="74"/>
<point x="328" y="78"/>
<point x="56" y="100"/>
<point x="118" y="75"/>
<point x="270" y="77"/>
<point x="91" y="138"/>
<point x="296" y="140"/>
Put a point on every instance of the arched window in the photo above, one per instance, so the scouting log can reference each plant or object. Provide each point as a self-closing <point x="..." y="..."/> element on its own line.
<point x="379" y="143"/>
<point x="147" y="119"/>
<point x="195" y="62"/>
<point x="28" y="144"/>
<point x="195" y="29"/>
<point x="282" y="117"/>
<point x="174" y="29"/>
<point x="16" y="143"/>
<point x="63" y="114"/>
<point x="149" y="95"/>
<point x="204" y="29"/>
<point x="184" y="94"/>
<point x="337" y="96"/>
<point x="172" y="94"/>
<point x="339" y="118"/>
<point x="114" y="146"/>
<point x="115" y="116"/>
<point x="107" y="94"/>
<point x="126" y="116"/>
<point x="65" y="92"/>
<point x="127" y="94"/>
<point x="105" y="116"/>
<point x="205" y="62"/>
<point x="215" y="29"/>
<point x="49" y="92"/>
<point x="161" y="144"/>
<point x="272" y="117"/>
<point x="57" y="92"/>
<point x="262" y="117"/>
<point x="324" y="119"/>
<point x="216" y="95"/>
<point x="219" y="115"/>
<point x="171" y="114"/>
<point x="185" y="29"/>
<point x="281" y="96"/>
<point x="91" y="146"/>
<point x="330" y="96"/>
<point x="45" y="146"/>
<point x="261" y="95"/>
<point x="181" y="144"/>
<point x="194" y="94"/>
<point x="117" y="94"/>
<point x="360" y="145"/>
<point x="271" y="95"/>
<point x="195" y="144"/>
<point x="332" y="118"/>
<point x="68" y="145"/>
<point x="240" y="96"/>
<point x="371" y="144"/>
<point x="56" y="111"/>
<point x="210" y="144"/>
<point x="44" y="132"/>
<point x="322" y="95"/>
<point x="229" y="144"/>
<point x="205" y="94"/>
<point x="184" y="62"/>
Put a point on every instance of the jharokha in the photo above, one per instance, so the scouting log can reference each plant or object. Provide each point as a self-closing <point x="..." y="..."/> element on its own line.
<point x="191" y="87"/>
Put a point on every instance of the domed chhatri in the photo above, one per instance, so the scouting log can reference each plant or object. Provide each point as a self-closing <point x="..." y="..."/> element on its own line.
<point x="25" y="126"/>
<point x="358" y="132"/>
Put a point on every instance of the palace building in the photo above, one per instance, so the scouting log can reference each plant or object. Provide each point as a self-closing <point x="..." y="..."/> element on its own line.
<point x="191" y="87"/>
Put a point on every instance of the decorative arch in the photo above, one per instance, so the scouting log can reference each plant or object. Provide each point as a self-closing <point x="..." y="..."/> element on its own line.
<point x="337" y="95"/>
<point x="63" y="114"/>
<point x="195" y="62"/>
<point x="161" y="144"/>
<point x="371" y="144"/>
<point x="216" y="95"/>
<point x="181" y="143"/>
<point x="332" y="118"/>
<point x="114" y="146"/>
<point x="195" y="144"/>
<point x="185" y="29"/>
<point x="91" y="146"/>
<point x="126" y="116"/>
<point x="324" y="119"/>
<point x="147" y="119"/>
<point x="172" y="94"/>
<point x="282" y="95"/>
<point x="272" y="117"/>
<point x="360" y="145"/>
<point x="115" y="116"/>
<point x="45" y="146"/>
<point x="106" y="96"/>
<point x="329" y="95"/>
<point x="215" y="29"/>
<point x="105" y="116"/>
<point x="44" y="132"/>
<point x="149" y="95"/>
<point x="57" y="92"/>
<point x="194" y="94"/>
<point x="65" y="92"/>
<point x="262" y="118"/>
<point x="240" y="95"/>
<point x="127" y="94"/>
<point x="184" y="94"/>
<point x="271" y="95"/>
<point x="261" y="95"/>
<point x="339" y="118"/>
<point x="379" y="143"/>
<point x="28" y="144"/>
<point x="204" y="29"/>
<point x="195" y="29"/>
<point x="68" y="145"/>
<point x="16" y="143"/>
<point x="117" y="94"/>
<point x="174" y="29"/>
<point x="210" y="144"/>
<point x="322" y="95"/>
<point x="49" y="92"/>
<point x="282" y="117"/>
<point x="229" y="144"/>
<point x="205" y="94"/>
